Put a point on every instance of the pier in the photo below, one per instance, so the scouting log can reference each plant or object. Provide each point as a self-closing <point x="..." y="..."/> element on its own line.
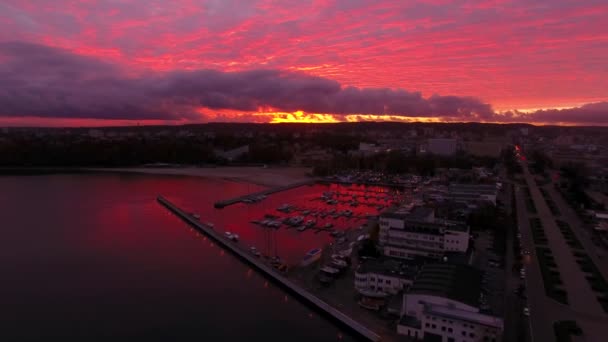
<point x="225" y="203"/>
<point x="270" y="272"/>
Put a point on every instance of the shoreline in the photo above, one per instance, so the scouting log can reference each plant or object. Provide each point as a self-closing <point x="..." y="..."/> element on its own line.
<point x="266" y="177"/>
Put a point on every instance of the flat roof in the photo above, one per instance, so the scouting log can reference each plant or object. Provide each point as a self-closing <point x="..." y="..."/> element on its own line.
<point x="458" y="282"/>
<point x="454" y="313"/>
<point x="389" y="267"/>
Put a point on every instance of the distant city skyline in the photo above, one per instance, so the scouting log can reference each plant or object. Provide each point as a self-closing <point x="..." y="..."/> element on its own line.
<point x="94" y="63"/>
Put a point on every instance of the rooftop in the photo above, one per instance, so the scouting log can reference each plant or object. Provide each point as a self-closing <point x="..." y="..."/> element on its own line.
<point x="454" y="313"/>
<point x="461" y="283"/>
<point x="413" y="214"/>
<point x="473" y="188"/>
<point x="389" y="267"/>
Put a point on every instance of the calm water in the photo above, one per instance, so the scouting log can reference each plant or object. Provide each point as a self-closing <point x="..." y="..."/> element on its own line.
<point x="95" y="257"/>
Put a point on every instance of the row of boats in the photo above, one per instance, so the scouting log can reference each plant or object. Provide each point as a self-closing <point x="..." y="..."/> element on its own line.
<point x="287" y="208"/>
<point x="334" y="268"/>
<point x="295" y="221"/>
<point x="254" y="199"/>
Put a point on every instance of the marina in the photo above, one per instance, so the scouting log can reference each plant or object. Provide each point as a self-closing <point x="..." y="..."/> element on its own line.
<point x="270" y="272"/>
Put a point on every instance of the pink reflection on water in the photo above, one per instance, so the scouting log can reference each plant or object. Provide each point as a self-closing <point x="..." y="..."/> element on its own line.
<point x="287" y="242"/>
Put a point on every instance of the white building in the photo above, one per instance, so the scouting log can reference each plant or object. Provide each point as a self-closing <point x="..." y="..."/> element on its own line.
<point x="473" y="193"/>
<point x="443" y="305"/>
<point x="410" y="233"/>
<point x="378" y="278"/>
<point x="444" y="147"/>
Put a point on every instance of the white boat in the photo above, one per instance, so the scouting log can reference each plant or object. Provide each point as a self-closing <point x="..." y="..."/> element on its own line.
<point x="235" y="237"/>
<point x="284" y="208"/>
<point x="330" y="271"/>
<point x="301" y="228"/>
<point x="254" y="251"/>
<point x="328" y="225"/>
<point x="312" y="256"/>
<point x="228" y="235"/>
<point x="196" y="216"/>
<point x="210" y="225"/>
<point x="339" y="264"/>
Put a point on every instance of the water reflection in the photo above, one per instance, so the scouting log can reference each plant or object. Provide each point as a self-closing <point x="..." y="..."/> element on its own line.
<point x="94" y="256"/>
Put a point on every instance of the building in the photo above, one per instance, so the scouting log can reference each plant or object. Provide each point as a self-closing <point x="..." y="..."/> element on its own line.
<point x="483" y="148"/>
<point x="443" y="147"/>
<point x="443" y="304"/>
<point x="379" y="278"/>
<point x="409" y="233"/>
<point x="473" y="194"/>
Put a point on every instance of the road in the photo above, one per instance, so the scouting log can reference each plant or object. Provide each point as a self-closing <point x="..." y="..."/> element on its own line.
<point x="516" y="325"/>
<point x="544" y="311"/>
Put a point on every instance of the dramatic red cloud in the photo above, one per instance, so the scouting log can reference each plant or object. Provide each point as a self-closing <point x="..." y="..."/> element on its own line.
<point x="512" y="54"/>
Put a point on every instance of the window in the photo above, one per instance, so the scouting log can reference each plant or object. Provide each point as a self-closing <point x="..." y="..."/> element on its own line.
<point x="471" y="335"/>
<point x="464" y="333"/>
<point x="450" y="330"/>
<point x="433" y="326"/>
<point x="427" y="325"/>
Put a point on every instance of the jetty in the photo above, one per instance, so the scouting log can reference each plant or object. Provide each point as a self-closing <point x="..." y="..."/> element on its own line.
<point x="225" y="203"/>
<point x="271" y="273"/>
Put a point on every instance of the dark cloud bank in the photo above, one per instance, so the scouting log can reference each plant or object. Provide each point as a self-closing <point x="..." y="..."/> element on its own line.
<point x="42" y="81"/>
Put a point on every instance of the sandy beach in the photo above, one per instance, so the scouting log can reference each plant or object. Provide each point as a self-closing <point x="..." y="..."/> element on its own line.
<point x="269" y="177"/>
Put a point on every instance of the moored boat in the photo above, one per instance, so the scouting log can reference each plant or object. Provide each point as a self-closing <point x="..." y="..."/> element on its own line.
<point x="312" y="256"/>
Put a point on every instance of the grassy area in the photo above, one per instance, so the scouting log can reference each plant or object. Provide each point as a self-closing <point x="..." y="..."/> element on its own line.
<point x="565" y="329"/>
<point x="569" y="235"/>
<point x="594" y="277"/>
<point x="551" y="277"/>
<point x="538" y="233"/>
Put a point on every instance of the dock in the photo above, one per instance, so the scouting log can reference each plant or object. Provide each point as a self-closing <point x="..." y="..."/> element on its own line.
<point x="225" y="203"/>
<point x="271" y="273"/>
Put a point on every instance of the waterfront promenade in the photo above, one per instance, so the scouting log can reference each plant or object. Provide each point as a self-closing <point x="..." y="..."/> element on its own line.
<point x="271" y="273"/>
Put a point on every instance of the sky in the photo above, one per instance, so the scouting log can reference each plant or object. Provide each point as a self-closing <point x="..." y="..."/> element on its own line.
<point x="108" y="62"/>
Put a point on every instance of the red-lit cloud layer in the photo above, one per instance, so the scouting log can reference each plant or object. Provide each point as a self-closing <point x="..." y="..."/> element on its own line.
<point x="189" y="61"/>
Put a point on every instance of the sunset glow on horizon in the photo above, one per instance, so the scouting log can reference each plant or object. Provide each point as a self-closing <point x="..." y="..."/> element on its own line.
<point x="173" y="62"/>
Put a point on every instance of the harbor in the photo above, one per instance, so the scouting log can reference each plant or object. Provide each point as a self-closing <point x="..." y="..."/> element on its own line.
<point x="266" y="269"/>
<point x="261" y="194"/>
